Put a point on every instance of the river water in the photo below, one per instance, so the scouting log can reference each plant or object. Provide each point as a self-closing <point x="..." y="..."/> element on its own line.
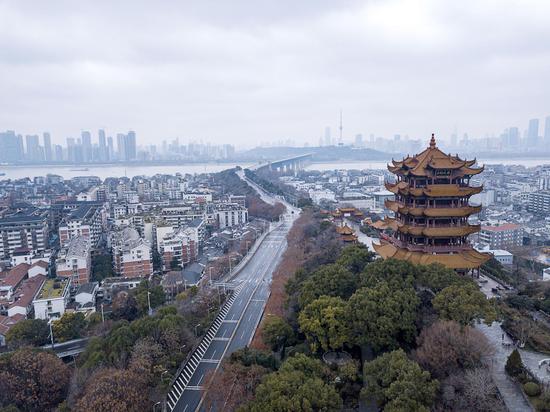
<point x="113" y="170"/>
<point x="377" y="164"/>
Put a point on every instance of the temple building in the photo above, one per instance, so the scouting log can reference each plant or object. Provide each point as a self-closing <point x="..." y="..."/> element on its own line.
<point x="431" y="211"/>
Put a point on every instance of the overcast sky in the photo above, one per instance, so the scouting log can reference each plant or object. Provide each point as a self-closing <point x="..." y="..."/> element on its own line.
<point x="246" y="72"/>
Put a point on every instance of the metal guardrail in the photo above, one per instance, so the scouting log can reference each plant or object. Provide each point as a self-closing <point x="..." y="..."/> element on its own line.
<point x="186" y="372"/>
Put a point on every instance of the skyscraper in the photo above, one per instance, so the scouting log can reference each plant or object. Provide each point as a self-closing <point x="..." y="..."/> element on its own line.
<point x="47" y="147"/>
<point x="131" y="152"/>
<point x="121" y="146"/>
<point x="533" y="133"/>
<point x="328" y="140"/>
<point x="11" y="147"/>
<point x="33" y="148"/>
<point x="86" y="146"/>
<point x="513" y="136"/>
<point x="103" y="151"/>
<point x="110" y="148"/>
<point x="547" y="131"/>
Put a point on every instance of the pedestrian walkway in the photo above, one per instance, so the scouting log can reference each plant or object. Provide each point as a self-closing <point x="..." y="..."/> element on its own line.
<point x="510" y="390"/>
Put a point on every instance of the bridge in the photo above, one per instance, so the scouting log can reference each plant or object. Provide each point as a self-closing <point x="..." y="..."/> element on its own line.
<point x="291" y="164"/>
<point x="69" y="348"/>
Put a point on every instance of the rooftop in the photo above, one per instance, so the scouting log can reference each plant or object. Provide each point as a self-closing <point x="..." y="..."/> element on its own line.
<point x="501" y="228"/>
<point x="53" y="288"/>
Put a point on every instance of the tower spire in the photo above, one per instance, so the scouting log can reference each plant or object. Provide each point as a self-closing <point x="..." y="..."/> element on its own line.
<point x="432" y="141"/>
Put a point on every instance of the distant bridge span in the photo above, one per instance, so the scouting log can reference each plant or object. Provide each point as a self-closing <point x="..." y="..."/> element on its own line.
<point x="293" y="164"/>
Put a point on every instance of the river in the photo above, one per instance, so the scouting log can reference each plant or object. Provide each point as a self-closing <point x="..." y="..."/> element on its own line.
<point x="115" y="170"/>
<point x="379" y="164"/>
<point x="112" y="170"/>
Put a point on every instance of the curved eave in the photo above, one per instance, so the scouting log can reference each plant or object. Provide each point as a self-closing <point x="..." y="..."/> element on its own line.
<point x="469" y="259"/>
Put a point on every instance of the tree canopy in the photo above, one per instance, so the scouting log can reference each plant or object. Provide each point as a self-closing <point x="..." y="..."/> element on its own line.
<point x="325" y="324"/>
<point x="464" y="303"/>
<point x="329" y="280"/>
<point x="383" y="317"/>
<point x="299" y="385"/>
<point x="399" y="384"/>
<point x="69" y="326"/>
<point x="277" y="332"/>
<point x="33" y="332"/>
<point x="33" y="380"/>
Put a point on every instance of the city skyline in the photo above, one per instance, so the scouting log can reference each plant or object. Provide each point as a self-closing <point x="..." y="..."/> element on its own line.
<point x="394" y="67"/>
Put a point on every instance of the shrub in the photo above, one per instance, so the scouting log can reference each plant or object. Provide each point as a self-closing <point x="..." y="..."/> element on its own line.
<point x="514" y="365"/>
<point x="531" y="389"/>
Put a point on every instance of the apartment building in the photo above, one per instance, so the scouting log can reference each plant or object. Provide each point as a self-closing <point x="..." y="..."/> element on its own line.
<point x="74" y="260"/>
<point x="177" y="248"/>
<point x="504" y="236"/>
<point x="85" y="221"/>
<point x="132" y="255"/>
<point x="539" y="202"/>
<point x="229" y="214"/>
<point x="23" y="230"/>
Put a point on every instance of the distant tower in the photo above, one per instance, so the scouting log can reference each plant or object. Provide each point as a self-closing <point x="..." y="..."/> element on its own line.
<point x="340" y="141"/>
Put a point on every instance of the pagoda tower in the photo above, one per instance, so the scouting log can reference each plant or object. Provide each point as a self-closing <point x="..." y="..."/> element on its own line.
<point x="431" y="211"/>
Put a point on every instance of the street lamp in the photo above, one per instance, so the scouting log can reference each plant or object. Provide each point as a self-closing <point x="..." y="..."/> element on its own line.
<point x="196" y="326"/>
<point x="210" y="274"/>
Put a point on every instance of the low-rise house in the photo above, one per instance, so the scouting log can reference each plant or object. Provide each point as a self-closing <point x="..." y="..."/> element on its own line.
<point x="52" y="299"/>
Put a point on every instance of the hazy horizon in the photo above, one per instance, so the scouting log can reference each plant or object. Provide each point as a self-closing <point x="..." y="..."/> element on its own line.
<point x="250" y="72"/>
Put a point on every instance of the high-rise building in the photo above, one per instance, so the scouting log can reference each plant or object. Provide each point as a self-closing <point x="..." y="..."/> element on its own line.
<point x="547" y="131"/>
<point x="34" y="151"/>
<point x="47" y="147"/>
<point x="513" y="136"/>
<point x="431" y="211"/>
<point x="58" y="153"/>
<point x="121" y="146"/>
<point x="328" y="139"/>
<point x="533" y="133"/>
<point x="131" y="152"/>
<point x="110" y="148"/>
<point x="11" y="147"/>
<point x="359" y="140"/>
<point x="103" y="150"/>
<point x="86" y="146"/>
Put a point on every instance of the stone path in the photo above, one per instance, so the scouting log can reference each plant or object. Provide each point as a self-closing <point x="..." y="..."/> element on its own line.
<point x="510" y="391"/>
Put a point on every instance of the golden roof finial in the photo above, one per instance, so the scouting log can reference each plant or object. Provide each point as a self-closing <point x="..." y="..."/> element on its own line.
<point x="432" y="141"/>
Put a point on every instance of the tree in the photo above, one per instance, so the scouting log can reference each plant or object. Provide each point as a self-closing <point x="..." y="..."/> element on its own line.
<point x="102" y="266"/>
<point x="397" y="273"/>
<point x="277" y="332"/>
<point x="325" y="324"/>
<point x="299" y="385"/>
<point x="464" y="304"/>
<point x="124" y="306"/>
<point x="383" y="317"/>
<point x="34" y="332"/>
<point x="399" y="384"/>
<point x="437" y="277"/>
<point x="114" y="390"/>
<point x="33" y="380"/>
<point x="156" y="296"/>
<point x="69" y="326"/>
<point x="329" y="280"/>
<point x="233" y="385"/>
<point x="514" y="364"/>
<point x="355" y="258"/>
<point x="446" y="347"/>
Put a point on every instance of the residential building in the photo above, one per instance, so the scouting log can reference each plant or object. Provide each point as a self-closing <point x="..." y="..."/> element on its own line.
<point x="230" y="214"/>
<point x="132" y="256"/>
<point x="23" y="230"/>
<point x="85" y="221"/>
<point x="52" y="299"/>
<point x="504" y="236"/>
<point x="74" y="260"/>
<point x="539" y="202"/>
